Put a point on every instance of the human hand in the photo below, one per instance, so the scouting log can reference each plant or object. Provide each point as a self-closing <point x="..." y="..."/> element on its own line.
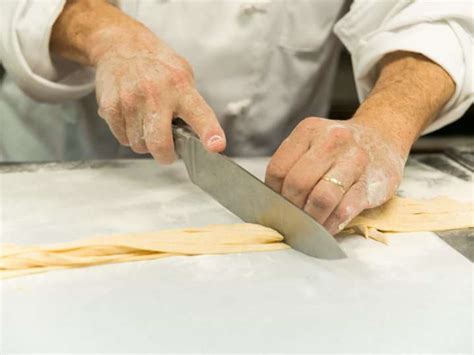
<point x="335" y="169"/>
<point x="141" y="85"/>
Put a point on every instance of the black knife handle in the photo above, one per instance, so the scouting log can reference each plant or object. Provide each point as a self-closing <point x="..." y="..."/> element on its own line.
<point x="182" y="134"/>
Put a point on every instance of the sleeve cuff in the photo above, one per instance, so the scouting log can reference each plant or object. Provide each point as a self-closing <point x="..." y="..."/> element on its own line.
<point x="438" y="42"/>
<point x="25" y="53"/>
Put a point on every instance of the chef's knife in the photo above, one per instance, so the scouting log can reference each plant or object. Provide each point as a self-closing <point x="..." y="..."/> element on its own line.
<point x="250" y="199"/>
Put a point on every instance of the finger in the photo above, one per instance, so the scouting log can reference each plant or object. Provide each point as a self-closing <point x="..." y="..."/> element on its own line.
<point x="110" y="111"/>
<point x="327" y="194"/>
<point x="303" y="176"/>
<point x="131" y="104"/>
<point x="134" y="124"/>
<point x="196" y="112"/>
<point x="287" y="154"/>
<point x="116" y="122"/>
<point x="158" y="134"/>
<point x="105" y="85"/>
<point x="354" y="202"/>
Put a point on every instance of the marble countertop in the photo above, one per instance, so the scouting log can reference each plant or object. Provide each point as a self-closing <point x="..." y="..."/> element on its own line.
<point x="414" y="295"/>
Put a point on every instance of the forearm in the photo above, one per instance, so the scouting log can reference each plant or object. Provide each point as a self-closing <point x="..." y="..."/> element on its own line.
<point x="85" y="29"/>
<point x="141" y="83"/>
<point x="409" y="93"/>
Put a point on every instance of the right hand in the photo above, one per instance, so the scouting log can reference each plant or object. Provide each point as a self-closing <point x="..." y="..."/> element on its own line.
<point x="141" y="85"/>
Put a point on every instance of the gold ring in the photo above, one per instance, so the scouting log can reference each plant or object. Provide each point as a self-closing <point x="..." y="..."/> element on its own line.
<point x="335" y="182"/>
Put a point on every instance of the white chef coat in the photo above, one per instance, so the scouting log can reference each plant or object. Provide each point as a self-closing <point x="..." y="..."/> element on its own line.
<point x="262" y="66"/>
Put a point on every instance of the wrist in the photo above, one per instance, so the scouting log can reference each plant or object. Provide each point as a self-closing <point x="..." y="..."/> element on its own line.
<point x="409" y="93"/>
<point x="385" y="126"/>
<point x="86" y="29"/>
<point x="113" y="39"/>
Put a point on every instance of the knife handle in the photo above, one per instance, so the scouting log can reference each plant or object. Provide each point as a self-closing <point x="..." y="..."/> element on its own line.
<point x="182" y="136"/>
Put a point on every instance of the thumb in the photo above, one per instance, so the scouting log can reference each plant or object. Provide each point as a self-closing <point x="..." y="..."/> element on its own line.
<point x="194" y="110"/>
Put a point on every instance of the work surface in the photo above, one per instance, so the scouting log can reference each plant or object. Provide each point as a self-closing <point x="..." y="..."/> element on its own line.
<point x="414" y="295"/>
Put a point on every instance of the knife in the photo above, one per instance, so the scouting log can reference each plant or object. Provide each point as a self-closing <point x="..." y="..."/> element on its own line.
<point x="250" y="199"/>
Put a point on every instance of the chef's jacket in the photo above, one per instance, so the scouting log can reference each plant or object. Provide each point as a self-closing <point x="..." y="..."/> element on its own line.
<point x="261" y="65"/>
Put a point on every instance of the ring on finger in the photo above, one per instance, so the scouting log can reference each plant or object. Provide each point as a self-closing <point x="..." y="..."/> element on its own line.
<point x="335" y="182"/>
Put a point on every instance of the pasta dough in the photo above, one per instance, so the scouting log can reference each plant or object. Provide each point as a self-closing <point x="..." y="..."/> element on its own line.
<point x="397" y="215"/>
<point x="410" y="215"/>
<point x="16" y="260"/>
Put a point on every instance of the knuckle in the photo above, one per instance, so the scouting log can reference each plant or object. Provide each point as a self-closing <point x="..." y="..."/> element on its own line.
<point x="295" y="186"/>
<point x="320" y="201"/>
<point x="337" y="137"/>
<point x="362" y="157"/>
<point x="108" y="110"/>
<point x="128" y="99"/>
<point x="308" y="124"/>
<point x="330" y="142"/>
<point x="180" y="79"/>
<point x="340" y="134"/>
<point x="343" y="213"/>
<point x="275" y="171"/>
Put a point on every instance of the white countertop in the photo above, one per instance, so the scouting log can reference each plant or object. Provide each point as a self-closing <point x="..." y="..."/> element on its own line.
<point x="412" y="296"/>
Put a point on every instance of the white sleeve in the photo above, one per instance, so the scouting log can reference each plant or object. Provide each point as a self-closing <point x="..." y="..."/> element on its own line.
<point x="440" y="30"/>
<point x="25" y="30"/>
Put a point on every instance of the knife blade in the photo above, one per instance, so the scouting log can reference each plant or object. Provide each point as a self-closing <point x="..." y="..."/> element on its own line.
<point x="250" y="199"/>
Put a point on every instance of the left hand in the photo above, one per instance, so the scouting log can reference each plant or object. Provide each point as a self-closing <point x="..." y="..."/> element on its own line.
<point x="335" y="169"/>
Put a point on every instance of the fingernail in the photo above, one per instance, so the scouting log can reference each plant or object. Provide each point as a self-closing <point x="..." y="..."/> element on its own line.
<point x="214" y="139"/>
